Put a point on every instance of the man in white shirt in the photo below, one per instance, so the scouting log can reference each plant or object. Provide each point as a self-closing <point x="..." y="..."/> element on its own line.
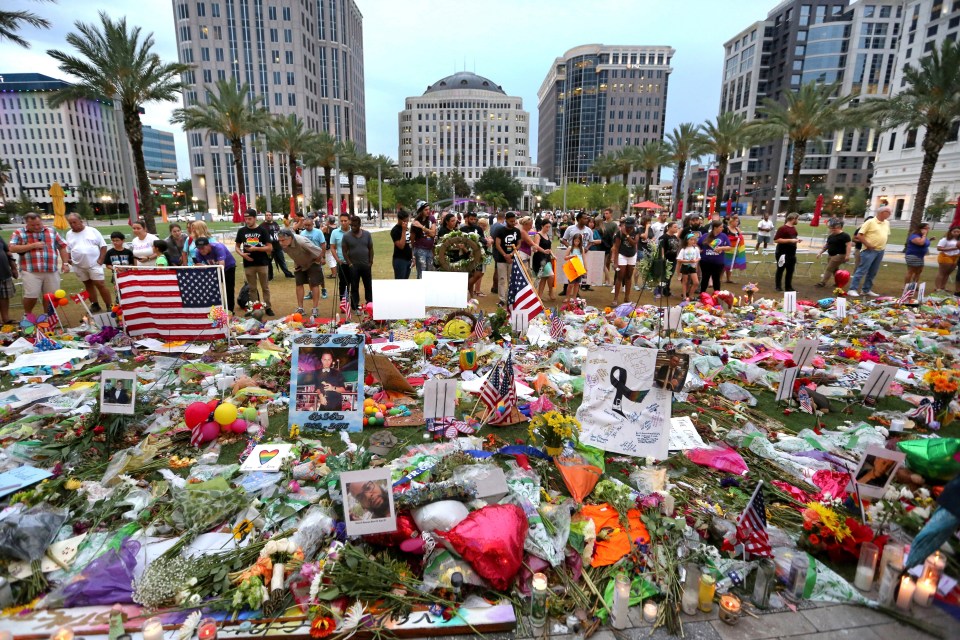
<point x="764" y="233"/>
<point x="88" y="250"/>
<point x="657" y="227"/>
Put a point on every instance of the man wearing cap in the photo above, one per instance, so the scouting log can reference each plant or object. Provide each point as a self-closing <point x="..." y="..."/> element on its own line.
<point x="308" y="266"/>
<point x="423" y="230"/>
<point x="215" y="253"/>
<point x="253" y="244"/>
<point x="38" y="246"/>
<point x="504" y="244"/>
<point x="273" y="228"/>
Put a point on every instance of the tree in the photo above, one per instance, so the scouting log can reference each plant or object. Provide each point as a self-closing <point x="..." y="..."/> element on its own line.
<point x="649" y="158"/>
<point x="499" y="180"/>
<point x="804" y="117"/>
<point x="723" y="138"/>
<point x="495" y="200"/>
<point x="577" y="197"/>
<point x="809" y="202"/>
<point x="684" y="143"/>
<point x="115" y="61"/>
<point x="605" y="166"/>
<point x="938" y="207"/>
<point x="389" y="202"/>
<point x="232" y="111"/>
<point x="323" y="154"/>
<point x="461" y="188"/>
<point x="857" y="202"/>
<point x="626" y="161"/>
<point x="5" y="170"/>
<point x="351" y="162"/>
<point x="601" y="196"/>
<point x="12" y="21"/>
<point x="287" y="136"/>
<point x="932" y="101"/>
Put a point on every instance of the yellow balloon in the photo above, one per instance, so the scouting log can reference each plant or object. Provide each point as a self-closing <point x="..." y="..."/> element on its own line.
<point x="225" y="414"/>
<point x="60" y="293"/>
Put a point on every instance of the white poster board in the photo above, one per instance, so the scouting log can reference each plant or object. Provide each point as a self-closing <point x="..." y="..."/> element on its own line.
<point x="594" y="264"/>
<point x="840" y="307"/>
<point x="790" y="302"/>
<point x="879" y="381"/>
<point x="439" y="398"/>
<point x="921" y="291"/>
<point x="684" y="435"/>
<point x="520" y="322"/>
<point x="399" y="300"/>
<point x="621" y="410"/>
<point x="267" y="457"/>
<point x="787" y="378"/>
<point x="804" y="352"/>
<point x="445" y="289"/>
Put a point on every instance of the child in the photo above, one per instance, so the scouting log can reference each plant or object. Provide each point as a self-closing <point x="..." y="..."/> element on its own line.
<point x="119" y="255"/>
<point x="162" y="254"/>
<point x="575" y="250"/>
<point x="688" y="258"/>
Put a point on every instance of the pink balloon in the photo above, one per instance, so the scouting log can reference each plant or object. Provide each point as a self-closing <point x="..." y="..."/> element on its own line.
<point x="237" y="426"/>
<point x="369" y="309"/>
<point x="209" y="432"/>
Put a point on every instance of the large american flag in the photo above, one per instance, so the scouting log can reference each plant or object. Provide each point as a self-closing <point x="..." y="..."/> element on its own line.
<point x="752" y="526"/>
<point x="522" y="297"/>
<point x="170" y="303"/>
<point x="499" y="389"/>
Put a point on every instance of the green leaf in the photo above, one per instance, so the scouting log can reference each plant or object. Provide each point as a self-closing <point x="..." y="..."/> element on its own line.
<point x="329" y="594"/>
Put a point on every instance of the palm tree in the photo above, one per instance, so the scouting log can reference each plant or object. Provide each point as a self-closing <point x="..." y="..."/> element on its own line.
<point x="932" y="101"/>
<point x="650" y="157"/>
<point x="12" y="21"/>
<point x="605" y="166"/>
<point x="805" y="116"/>
<point x="723" y="138"/>
<point x="684" y="144"/>
<point x="287" y="135"/>
<point x="322" y="154"/>
<point x="625" y="162"/>
<point x="116" y="62"/>
<point x="372" y="165"/>
<point x="351" y="160"/>
<point x="5" y="170"/>
<point x="233" y="112"/>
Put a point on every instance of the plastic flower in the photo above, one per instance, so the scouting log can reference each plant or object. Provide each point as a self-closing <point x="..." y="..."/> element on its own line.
<point x="322" y="627"/>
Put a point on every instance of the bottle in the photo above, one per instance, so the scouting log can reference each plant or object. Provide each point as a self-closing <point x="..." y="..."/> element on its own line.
<point x="766" y="576"/>
<point x="797" y="578"/>
<point x="574" y="628"/>
<point x="690" y="599"/>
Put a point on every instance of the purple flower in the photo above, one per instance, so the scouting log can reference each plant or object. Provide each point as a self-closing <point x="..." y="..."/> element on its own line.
<point x="729" y="481"/>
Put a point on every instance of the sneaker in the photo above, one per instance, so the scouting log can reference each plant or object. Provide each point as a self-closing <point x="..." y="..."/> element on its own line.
<point x="872" y="294"/>
<point x="636" y="287"/>
<point x="270" y="312"/>
<point x="95" y="307"/>
<point x="299" y="310"/>
<point x="323" y="294"/>
<point x="614" y="290"/>
<point x="309" y="296"/>
<point x="853" y="293"/>
<point x="820" y="285"/>
<point x="315" y="313"/>
<point x="757" y="252"/>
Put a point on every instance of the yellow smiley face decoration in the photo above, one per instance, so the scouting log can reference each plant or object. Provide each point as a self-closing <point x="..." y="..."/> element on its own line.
<point x="457" y="330"/>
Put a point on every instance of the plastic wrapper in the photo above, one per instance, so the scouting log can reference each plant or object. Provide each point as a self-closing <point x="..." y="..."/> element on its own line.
<point x="26" y="534"/>
<point x="315" y="527"/>
<point x="491" y="540"/>
<point x="823" y="584"/>
<point x="933" y="458"/>
<point x="108" y="580"/>
<point x="441" y="564"/>
<point x="722" y="459"/>
<point x="445" y="514"/>
<point x="736" y="393"/>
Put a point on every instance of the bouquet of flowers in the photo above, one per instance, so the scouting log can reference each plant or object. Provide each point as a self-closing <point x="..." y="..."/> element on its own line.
<point x="944" y="384"/>
<point x="553" y="428"/>
<point x="830" y="532"/>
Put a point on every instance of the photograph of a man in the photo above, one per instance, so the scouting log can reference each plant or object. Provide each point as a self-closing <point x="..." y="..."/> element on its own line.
<point x="321" y="385"/>
<point x="671" y="371"/>
<point x="370" y="499"/>
<point x="118" y="393"/>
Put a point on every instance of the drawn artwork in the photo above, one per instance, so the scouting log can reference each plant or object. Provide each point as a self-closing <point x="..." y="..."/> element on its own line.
<point x="622" y="410"/>
<point x="326" y="383"/>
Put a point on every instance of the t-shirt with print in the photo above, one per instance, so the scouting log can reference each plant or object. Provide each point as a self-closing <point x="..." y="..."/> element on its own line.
<point x="256" y="237"/>
<point x="509" y="237"/>
<point x="121" y="258"/>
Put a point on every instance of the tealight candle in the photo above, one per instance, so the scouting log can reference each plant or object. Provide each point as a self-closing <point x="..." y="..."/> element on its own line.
<point x="153" y="629"/>
<point x="905" y="595"/>
<point x="650" y="611"/>
<point x="207" y="629"/>
<point x="923" y="594"/>
<point x="730" y="608"/>
<point x="63" y="633"/>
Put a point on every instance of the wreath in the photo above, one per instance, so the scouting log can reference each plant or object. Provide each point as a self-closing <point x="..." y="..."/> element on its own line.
<point x="464" y="248"/>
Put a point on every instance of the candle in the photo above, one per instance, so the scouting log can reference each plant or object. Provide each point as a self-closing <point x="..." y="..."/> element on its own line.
<point x="866" y="567"/>
<point x="933" y="567"/>
<point x="923" y="594"/>
<point x="207" y="629"/>
<point x="897" y="424"/>
<point x="538" y="600"/>
<point x="621" y="601"/>
<point x="905" y="595"/>
<point x="650" y="611"/>
<point x="63" y="633"/>
<point x="864" y="578"/>
<point x="730" y="609"/>
<point x="708" y="587"/>
<point x="153" y="629"/>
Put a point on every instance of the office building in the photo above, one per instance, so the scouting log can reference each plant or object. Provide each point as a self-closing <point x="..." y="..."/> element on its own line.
<point x="801" y="41"/>
<point x="160" y="157"/>
<point x="71" y="144"/>
<point x="598" y="99"/>
<point x="302" y="58"/>
<point x="927" y="23"/>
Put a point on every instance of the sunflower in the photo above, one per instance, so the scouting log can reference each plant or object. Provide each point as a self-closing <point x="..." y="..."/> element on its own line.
<point x="322" y="627"/>
<point x="242" y="529"/>
<point x="830" y="520"/>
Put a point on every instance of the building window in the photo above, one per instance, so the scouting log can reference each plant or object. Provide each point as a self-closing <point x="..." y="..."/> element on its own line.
<point x="272" y="13"/>
<point x="215" y="9"/>
<point x="911" y="140"/>
<point x="291" y="99"/>
<point x="893" y="141"/>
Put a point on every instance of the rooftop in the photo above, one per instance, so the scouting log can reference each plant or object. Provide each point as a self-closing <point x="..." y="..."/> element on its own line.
<point x="30" y="82"/>
<point x="465" y="80"/>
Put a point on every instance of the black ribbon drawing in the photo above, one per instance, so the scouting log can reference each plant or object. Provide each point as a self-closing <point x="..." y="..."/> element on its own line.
<point x="618" y="378"/>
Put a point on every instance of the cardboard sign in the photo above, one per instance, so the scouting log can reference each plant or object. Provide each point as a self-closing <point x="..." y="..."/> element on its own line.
<point x="804" y="352"/>
<point x="519" y="322"/>
<point x="326" y="383"/>
<point x="674" y="318"/>
<point x="399" y="299"/>
<point x="444" y="289"/>
<point x="921" y="291"/>
<point x="787" y="378"/>
<point x="684" y="435"/>
<point x="594" y="260"/>
<point x="879" y="381"/>
<point x="790" y="302"/>
<point x="439" y="398"/>
<point x="386" y="373"/>
<point x="840" y="307"/>
<point x="267" y="457"/>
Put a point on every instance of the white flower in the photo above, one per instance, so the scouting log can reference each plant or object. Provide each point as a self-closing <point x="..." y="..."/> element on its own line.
<point x="194" y="600"/>
<point x="891" y="494"/>
<point x="921" y="513"/>
<point x="924" y="493"/>
<point x="906" y="494"/>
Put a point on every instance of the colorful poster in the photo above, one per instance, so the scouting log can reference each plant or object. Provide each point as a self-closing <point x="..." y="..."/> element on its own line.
<point x="326" y="383"/>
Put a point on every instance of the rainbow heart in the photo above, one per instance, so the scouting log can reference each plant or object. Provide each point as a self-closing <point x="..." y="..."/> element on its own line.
<point x="267" y="456"/>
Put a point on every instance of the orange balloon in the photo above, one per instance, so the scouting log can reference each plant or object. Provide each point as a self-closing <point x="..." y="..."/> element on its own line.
<point x="297" y="317"/>
<point x="63" y="302"/>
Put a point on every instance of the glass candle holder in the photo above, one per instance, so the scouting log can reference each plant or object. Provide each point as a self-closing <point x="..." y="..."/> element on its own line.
<point x="207" y="629"/>
<point x="152" y="629"/>
<point x="730" y="608"/>
<point x="690" y="599"/>
<point x="797" y="578"/>
<point x="63" y="633"/>
<point x="621" y="601"/>
<point x="766" y="577"/>
<point x="538" y="600"/>
<point x="933" y="567"/>
<point x="889" y="580"/>
<point x="708" y="587"/>
<point x="893" y="555"/>
<point x="923" y="594"/>
<point x="867" y="566"/>
<point x="650" y="612"/>
<point x="905" y="594"/>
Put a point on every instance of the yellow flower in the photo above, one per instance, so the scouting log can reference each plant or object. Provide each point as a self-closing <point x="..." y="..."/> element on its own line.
<point x="243" y="529"/>
<point x="72" y="484"/>
<point x="831" y="520"/>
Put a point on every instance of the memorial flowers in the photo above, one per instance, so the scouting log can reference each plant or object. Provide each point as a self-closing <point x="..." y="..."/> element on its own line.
<point x="553" y="428"/>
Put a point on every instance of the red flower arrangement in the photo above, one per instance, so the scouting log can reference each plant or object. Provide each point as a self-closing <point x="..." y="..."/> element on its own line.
<point x="825" y="530"/>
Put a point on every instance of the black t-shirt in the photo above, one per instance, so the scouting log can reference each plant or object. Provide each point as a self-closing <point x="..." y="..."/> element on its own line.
<point x="539" y="258"/>
<point x="628" y="243"/>
<point x="400" y="254"/>
<point x="670" y="246"/>
<point x="333" y="400"/>
<point x="256" y="237"/>
<point x="472" y="228"/>
<point x="837" y="243"/>
<point x="121" y="258"/>
<point x="509" y="238"/>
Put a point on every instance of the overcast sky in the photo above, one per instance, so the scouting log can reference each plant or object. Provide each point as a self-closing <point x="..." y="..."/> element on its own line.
<point x="409" y="44"/>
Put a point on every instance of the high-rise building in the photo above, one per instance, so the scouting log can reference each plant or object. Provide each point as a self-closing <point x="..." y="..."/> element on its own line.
<point x="160" y="157"/>
<point x="801" y="41"/>
<point x="302" y="58"/>
<point x="927" y="23"/>
<point x="596" y="99"/>
<point x="74" y="143"/>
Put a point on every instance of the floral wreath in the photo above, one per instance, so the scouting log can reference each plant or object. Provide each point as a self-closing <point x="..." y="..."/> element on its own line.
<point x="458" y="243"/>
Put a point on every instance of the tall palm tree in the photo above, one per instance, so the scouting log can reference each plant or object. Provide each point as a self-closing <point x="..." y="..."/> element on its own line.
<point x="685" y="144"/>
<point x="5" y="170"/>
<point x="115" y="61"/>
<point x="374" y="165"/>
<point x="12" y="21"/>
<point x="723" y="138"/>
<point x="351" y="160"/>
<point x="650" y="157"/>
<point x="231" y="111"/>
<point x="805" y="117"/>
<point x="322" y="154"/>
<point x="605" y="166"/>
<point x="626" y="161"/>
<point x="287" y="135"/>
<point x="932" y="101"/>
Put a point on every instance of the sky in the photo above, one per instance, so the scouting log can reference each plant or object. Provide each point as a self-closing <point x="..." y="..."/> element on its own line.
<point x="410" y="44"/>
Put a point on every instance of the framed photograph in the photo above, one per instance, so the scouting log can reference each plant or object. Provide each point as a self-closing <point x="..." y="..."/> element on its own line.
<point x="368" y="501"/>
<point x="118" y="392"/>
<point x="326" y="383"/>
<point x="876" y="469"/>
<point x="671" y="370"/>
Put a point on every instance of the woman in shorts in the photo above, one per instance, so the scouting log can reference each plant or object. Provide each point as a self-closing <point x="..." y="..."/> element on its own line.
<point x="625" y="247"/>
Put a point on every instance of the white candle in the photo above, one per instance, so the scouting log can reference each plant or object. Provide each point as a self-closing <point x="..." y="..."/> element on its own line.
<point x="897" y="424"/>
<point x="621" y="602"/>
<point x="864" y="579"/>
<point x="153" y="629"/>
<point x="650" y="610"/>
<point x="63" y="633"/>
<point x="905" y="594"/>
<point x="923" y="594"/>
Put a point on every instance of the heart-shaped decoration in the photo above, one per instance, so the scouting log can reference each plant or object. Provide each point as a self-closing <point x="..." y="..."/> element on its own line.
<point x="268" y="455"/>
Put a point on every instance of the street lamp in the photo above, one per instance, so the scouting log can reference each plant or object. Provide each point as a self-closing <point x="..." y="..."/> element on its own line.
<point x="193" y="204"/>
<point x="105" y="199"/>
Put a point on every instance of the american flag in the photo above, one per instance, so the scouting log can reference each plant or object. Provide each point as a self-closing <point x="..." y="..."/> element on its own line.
<point x="169" y="303"/>
<point x="908" y="292"/>
<point x="752" y="526"/>
<point x="345" y="305"/>
<point x="521" y="297"/>
<point x="557" y="327"/>
<point x="499" y="389"/>
<point x="480" y="326"/>
<point x="806" y="402"/>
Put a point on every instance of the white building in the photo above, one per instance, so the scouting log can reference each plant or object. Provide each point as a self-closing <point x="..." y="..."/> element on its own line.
<point x="70" y="144"/>
<point x="896" y="171"/>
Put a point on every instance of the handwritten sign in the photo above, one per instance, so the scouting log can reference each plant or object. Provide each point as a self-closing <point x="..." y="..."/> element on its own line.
<point x="21" y="478"/>
<point x="683" y="434"/>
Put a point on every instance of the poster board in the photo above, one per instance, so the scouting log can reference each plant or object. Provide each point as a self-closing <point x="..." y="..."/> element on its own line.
<point x="879" y="381"/>
<point x="399" y="300"/>
<point x="594" y="261"/>
<point x="877" y="468"/>
<point x="840" y="307"/>
<point x="804" y="352"/>
<point x="446" y="289"/>
<point x="439" y="398"/>
<point x="326" y="383"/>
<point x="622" y="411"/>
<point x="787" y="378"/>
<point x="790" y="302"/>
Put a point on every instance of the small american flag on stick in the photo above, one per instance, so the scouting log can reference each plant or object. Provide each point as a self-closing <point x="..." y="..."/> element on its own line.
<point x="498" y="389"/>
<point x="557" y="327"/>
<point x="480" y="326"/>
<point x="806" y="402"/>
<point x="752" y="526"/>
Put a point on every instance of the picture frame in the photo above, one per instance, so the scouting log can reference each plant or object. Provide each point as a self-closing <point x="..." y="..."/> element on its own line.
<point x="327" y="398"/>
<point x="368" y="501"/>
<point x="670" y="370"/>
<point x="875" y="471"/>
<point x="118" y="392"/>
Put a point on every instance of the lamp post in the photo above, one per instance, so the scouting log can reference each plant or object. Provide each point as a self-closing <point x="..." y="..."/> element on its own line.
<point x="105" y="199"/>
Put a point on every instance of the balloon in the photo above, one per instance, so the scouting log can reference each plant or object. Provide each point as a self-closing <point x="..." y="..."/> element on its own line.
<point x="238" y="426"/>
<point x="468" y="359"/>
<point x="491" y="540"/>
<point x="63" y="302"/>
<point x="213" y="403"/>
<point x="209" y="432"/>
<point x="60" y="293"/>
<point x="841" y="278"/>
<point x="250" y="413"/>
<point x="368" y="309"/>
<point x="196" y="413"/>
<point x="297" y="317"/>
<point x="225" y="414"/>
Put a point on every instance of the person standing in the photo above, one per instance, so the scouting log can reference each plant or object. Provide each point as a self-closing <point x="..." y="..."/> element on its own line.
<point x="88" y="251"/>
<point x="873" y="236"/>
<point x="505" y="241"/>
<point x="786" y="240"/>
<point x="253" y="245"/>
<point x="586" y="238"/>
<point x="38" y="247"/>
<point x="215" y="253"/>
<point x="543" y="260"/>
<point x="358" y="253"/>
<point x="764" y="231"/>
<point x="736" y="258"/>
<point x="948" y="253"/>
<point x="272" y="227"/>
<point x="669" y="248"/>
<point x="402" y="250"/>
<point x="473" y="281"/>
<point x="837" y="247"/>
<point x="713" y="246"/>
<point x="626" y="245"/>
<point x="307" y="266"/>
<point x="499" y="223"/>
<point x="608" y="231"/>
<point x="917" y="247"/>
<point x="423" y="230"/>
<point x="336" y="248"/>
<point x="8" y="271"/>
<point x="176" y="242"/>
<point x="142" y="244"/>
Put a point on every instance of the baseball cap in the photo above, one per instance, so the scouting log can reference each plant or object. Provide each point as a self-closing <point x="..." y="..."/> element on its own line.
<point x="421" y="205"/>
<point x="202" y="242"/>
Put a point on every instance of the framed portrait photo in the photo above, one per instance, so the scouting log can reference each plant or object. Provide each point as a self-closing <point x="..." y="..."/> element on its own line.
<point x="368" y="501"/>
<point x="326" y="383"/>
<point x="876" y="470"/>
<point x="118" y="392"/>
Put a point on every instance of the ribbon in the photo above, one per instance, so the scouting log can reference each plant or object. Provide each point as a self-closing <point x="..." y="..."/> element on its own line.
<point x="618" y="378"/>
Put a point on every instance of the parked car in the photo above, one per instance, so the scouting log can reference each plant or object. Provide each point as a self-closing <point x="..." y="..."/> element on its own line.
<point x="804" y="217"/>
